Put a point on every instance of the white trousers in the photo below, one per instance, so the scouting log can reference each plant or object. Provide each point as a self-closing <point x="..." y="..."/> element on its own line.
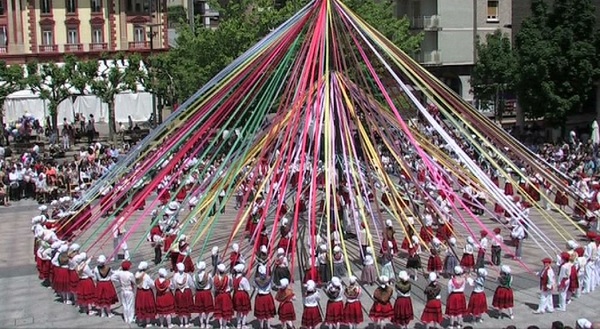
<point x="562" y="299"/>
<point x="546" y="304"/>
<point x="128" y="302"/>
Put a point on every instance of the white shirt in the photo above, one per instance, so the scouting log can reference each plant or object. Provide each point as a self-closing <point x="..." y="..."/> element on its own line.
<point x="312" y="300"/>
<point x="126" y="279"/>
<point x="200" y="276"/>
<point x="369" y="260"/>
<point x="264" y="290"/>
<point x="479" y="284"/>
<point x="456" y="286"/>
<point x="86" y="273"/>
<point x="468" y="248"/>
<point x="498" y="239"/>
<point x="483" y="243"/>
<point x="99" y="277"/>
<point x="181" y="281"/>
<point x="146" y="282"/>
<point x="244" y="284"/>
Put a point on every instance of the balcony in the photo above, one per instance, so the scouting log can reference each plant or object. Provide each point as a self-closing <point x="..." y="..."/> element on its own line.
<point x="73" y="47"/>
<point x="139" y="45"/>
<point x="429" y="57"/>
<point x="102" y="46"/>
<point x="48" y="48"/>
<point x="3" y="50"/>
<point x="426" y="23"/>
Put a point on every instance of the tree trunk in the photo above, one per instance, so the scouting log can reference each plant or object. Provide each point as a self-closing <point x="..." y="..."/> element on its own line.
<point x="2" y="129"/>
<point x="111" y="122"/>
<point x="53" y="109"/>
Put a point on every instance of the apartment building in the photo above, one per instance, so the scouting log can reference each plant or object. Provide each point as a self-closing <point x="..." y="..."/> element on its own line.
<point x="48" y="29"/>
<point x="450" y="30"/>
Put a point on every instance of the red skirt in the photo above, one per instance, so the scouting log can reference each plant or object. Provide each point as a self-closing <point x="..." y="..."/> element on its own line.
<point x="286" y="311"/>
<point x="61" y="282"/>
<point x="508" y="189"/>
<point x="403" y="311"/>
<point x="223" y="307"/>
<point x="573" y="284"/>
<point x="456" y="304"/>
<point x="45" y="267"/>
<point x="165" y="303"/>
<point x="73" y="281"/>
<point x="477" y="303"/>
<point x="86" y="292"/>
<point x="503" y="298"/>
<point x="203" y="303"/>
<point x="187" y="262"/>
<point x="145" y="306"/>
<point x="311" y="316"/>
<point x="241" y="302"/>
<point x="432" y="312"/>
<point x="498" y="209"/>
<point x="405" y="244"/>
<point x="434" y="263"/>
<point x="106" y="295"/>
<point x="334" y="312"/>
<point x="381" y="311"/>
<point x="184" y="302"/>
<point x="467" y="261"/>
<point x="264" y="307"/>
<point x="353" y="313"/>
<point x="561" y="199"/>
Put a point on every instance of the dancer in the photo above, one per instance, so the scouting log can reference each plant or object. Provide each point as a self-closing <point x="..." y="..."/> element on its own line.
<point x="496" y="247"/>
<point x="382" y="309"/>
<point x="285" y="295"/>
<point x="450" y="261"/>
<point x="368" y="274"/>
<point x="478" y="301"/>
<point x="264" y="304"/>
<point x="547" y="278"/>
<point x="165" y="301"/>
<point x="434" y="263"/>
<point x="456" y="303"/>
<point x="483" y="246"/>
<point x="311" y="316"/>
<point x="86" y="287"/>
<point x="564" y="278"/>
<point x="413" y="261"/>
<point x="145" y="304"/>
<point x="203" y="301"/>
<point x="60" y="278"/>
<point x="334" y="313"/>
<point x="127" y="283"/>
<point x="241" y="296"/>
<point x="184" y="299"/>
<point x="223" y="304"/>
<point x="432" y="314"/>
<point x="339" y="265"/>
<point x="353" y="314"/>
<point x="106" y="295"/>
<point x="403" y="308"/>
<point x="503" y="296"/>
<point x="468" y="261"/>
<point x="387" y="257"/>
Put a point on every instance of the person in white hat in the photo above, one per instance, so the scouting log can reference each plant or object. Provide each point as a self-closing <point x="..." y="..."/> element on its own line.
<point x="263" y="255"/>
<point x="165" y="301"/>
<point x="389" y="235"/>
<point x="456" y="303"/>
<point x="426" y="233"/>
<point x="311" y="314"/>
<point x="215" y="259"/>
<point x="387" y="257"/>
<point x="585" y="324"/>
<point x="184" y="299"/>
<point x="223" y="302"/>
<point x="403" y="308"/>
<point x="323" y="264"/>
<point x="353" y="313"/>
<point x="203" y="301"/>
<point x="413" y="262"/>
<point x="235" y="257"/>
<point x="450" y="260"/>
<point x="434" y="262"/>
<point x="185" y="255"/>
<point x="86" y="288"/>
<point x="281" y="269"/>
<point x="432" y="314"/>
<point x="478" y="301"/>
<point x="339" y="264"/>
<point x="118" y="234"/>
<point x="285" y="296"/>
<point x="468" y="260"/>
<point x="264" y="304"/>
<point x="382" y="309"/>
<point x="503" y="296"/>
<point x="145" y="304"/>
<point x="334" y="313"/>
<point x="368" y="274"/>
<point x="106" y="295"/>
<point x="156" y="241"/>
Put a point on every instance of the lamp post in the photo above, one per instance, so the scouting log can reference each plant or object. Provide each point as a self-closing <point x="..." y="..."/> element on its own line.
<point x="151" y="34"/>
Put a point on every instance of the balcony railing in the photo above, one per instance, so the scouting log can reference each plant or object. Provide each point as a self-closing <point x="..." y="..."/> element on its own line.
<point x="3" y="50"/>
<point x="429" y="57"/>
<point x="48" y="48"/>
<point x="73" y="47"/>
<point x="428" y="23"/>
<point x="139" y="45"/>
<point x="98" y="46"/>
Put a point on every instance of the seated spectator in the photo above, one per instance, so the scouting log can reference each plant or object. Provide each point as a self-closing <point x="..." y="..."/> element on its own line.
<point x="3" y="195"/>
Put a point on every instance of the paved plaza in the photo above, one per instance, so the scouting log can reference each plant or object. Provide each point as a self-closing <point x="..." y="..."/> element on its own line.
<point x="27" y="304"/>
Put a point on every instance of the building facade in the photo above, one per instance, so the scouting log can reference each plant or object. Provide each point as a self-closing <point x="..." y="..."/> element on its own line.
<point x="450" y="32"/>
<point x="45" y="30"/>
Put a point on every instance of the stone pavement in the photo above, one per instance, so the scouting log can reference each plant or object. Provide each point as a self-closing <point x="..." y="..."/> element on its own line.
<point x="27" y="304"/>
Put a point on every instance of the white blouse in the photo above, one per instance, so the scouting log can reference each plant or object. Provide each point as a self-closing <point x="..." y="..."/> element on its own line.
<point x="146" y="282"/>
<point x="244" y="284"/>
<point x="312" y="300"/>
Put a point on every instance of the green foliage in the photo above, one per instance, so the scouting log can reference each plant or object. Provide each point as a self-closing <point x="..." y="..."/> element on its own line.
<point x="494" y="71"/>
<point x="557" y="52"/>
<point x="11" y="81"/>
<point x="176" y="14"/>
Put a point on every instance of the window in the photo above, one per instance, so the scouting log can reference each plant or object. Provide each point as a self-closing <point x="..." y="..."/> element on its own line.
<point x="139" y="34"/>
<point x="47" y="37"/>
<point x="97" y="36"/>
<point x="492" y="10"/>
<point x="3" y="36"/>
<point x="96" y="6"/>
<point x="72" y="36"/>
<point x="2" y="8"/>
<point x="71" y="6"/>
<point x="46" y="6"/>
<point x="138" y="6"/>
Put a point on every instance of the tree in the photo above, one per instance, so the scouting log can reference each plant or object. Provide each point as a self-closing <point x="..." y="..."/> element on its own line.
<point x="493" y="74"/>
<point x="11" y="81"/>
<point x="159" y="81"/>
<point x="118" y="75"/>
<point x="53" y="84"/>
<point x="556" y="53"/>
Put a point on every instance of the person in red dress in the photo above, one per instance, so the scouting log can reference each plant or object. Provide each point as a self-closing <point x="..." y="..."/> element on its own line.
<point x="353" y="314"/>
<point x="165" y="301"/>
<point x="311" y="316"/>
<point x="426" y="233"/>
<point x="241" y="295"/>
<point x="145" y="304"/>
<point x="478" y="301"/>
<point x="235" y="257"/>
<point x="334" y="313"/>
<point x="432" y="314"/>
<point x="382" y="309"/>
<point x="223" y="304"/>
<point x="468" y="260"/>
<point x="203" y="301"/>
<point x="456" y="303"/>
<point x="264" y="304"/>
<point x="285" y="295"/>
<point x="503" y="296"/>
<point x="434" y="263"/>
<point x="389" y="235"/>
<point x="106" y="295"/>
<point x="60" y="279"/>
<point x="403" y="308"/>
<point x="184" y="299"/>
<point x="184" y="255"/>
<point x="86" y="287"/>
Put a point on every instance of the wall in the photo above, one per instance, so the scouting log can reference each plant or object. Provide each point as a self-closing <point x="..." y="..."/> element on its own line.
<point x="455" y="40"/>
